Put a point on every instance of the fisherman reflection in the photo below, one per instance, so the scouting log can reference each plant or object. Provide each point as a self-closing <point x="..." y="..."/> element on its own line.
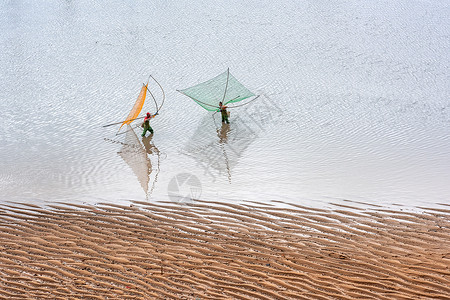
<point x="223" y="133"/>
<point x="223" y="139"/>
<point x="150" y="148"/>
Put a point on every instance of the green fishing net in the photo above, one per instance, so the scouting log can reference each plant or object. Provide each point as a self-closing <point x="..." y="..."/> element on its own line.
<point x="223" y="87"/>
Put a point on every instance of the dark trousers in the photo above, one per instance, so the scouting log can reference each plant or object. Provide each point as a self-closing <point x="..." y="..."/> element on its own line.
<point x="225" y="119"/>
<point x="147" y="129"/>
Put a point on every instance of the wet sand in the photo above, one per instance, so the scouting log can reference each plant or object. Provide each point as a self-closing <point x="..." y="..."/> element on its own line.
<point x="222" y="251"/>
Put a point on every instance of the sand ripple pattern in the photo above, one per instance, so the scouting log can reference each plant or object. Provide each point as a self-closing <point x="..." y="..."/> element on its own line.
<point x="222" y="251"/>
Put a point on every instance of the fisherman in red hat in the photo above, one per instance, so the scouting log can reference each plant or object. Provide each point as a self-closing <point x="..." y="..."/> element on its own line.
<point x="146" y="124"/>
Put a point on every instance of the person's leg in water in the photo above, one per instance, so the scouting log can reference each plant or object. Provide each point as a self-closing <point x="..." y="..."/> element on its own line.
<point x="225" y="119"/>
<point x="147" y="129"/>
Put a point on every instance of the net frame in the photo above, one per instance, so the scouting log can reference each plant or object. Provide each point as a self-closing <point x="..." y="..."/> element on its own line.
<point x="223" y="88"/>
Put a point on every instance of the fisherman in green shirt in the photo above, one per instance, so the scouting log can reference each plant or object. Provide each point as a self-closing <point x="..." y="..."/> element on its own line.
<point x="223" y="111"/>
<point x="146" y="124"/>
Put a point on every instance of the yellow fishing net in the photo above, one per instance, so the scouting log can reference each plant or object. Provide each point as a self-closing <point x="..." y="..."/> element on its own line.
<point x="136" y="110"/>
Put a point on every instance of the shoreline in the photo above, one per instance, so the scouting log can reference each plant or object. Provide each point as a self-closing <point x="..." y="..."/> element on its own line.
<point x="211" y="250"/>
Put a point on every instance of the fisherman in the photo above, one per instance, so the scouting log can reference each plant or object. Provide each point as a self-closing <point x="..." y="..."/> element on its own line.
<point x="224" y="112"/>
<point x="146" y="124"/>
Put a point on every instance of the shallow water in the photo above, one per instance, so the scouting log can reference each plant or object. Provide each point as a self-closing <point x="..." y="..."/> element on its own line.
<point x="354" y="102"/>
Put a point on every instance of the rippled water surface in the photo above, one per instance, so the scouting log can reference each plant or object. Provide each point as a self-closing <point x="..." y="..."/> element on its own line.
<point x="354" y="101"/>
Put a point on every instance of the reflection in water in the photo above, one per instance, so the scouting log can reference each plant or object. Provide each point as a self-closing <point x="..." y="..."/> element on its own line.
<point x="134" y="153"/>
<point x="204" y="148"/>
<point x="223" y="139"/>
<point x="150" y="148"/>
<point x="387" y="143"/>
<point x="223" y="133"/>
<point x="219" y="157"/>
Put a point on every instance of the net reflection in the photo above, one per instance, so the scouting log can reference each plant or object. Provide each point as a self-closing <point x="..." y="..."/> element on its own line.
<point x="136" y="155"/>
<point x="218" y="154"/>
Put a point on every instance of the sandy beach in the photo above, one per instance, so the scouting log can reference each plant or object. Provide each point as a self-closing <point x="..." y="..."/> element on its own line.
<point x="213" y="250"/>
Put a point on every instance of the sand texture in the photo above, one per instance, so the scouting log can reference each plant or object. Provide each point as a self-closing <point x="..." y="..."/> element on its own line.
<point x="222" y="251"/>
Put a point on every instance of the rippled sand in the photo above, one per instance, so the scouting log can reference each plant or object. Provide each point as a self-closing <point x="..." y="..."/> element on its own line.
<point x="222" y="251"/>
